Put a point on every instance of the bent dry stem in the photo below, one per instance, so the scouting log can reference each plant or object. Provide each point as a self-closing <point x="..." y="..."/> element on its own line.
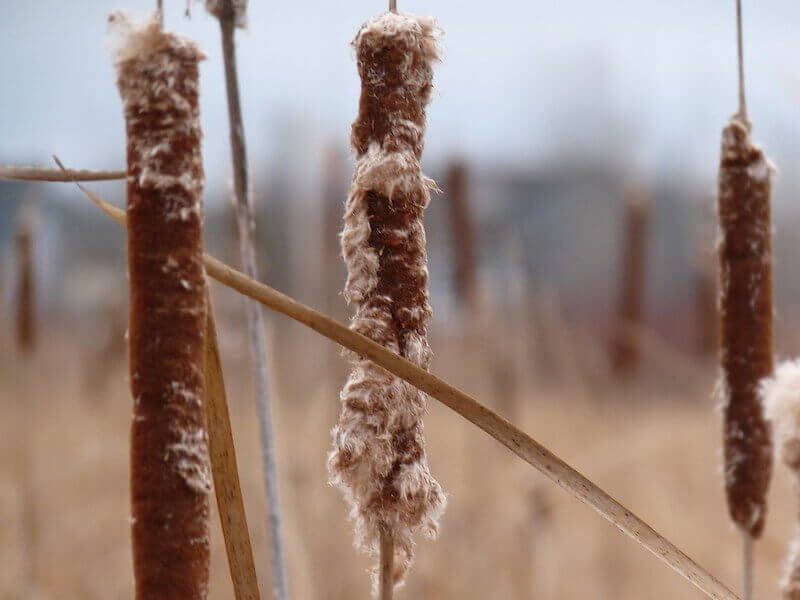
<point x="504" y="432"/>
<point x="226" y="472"/>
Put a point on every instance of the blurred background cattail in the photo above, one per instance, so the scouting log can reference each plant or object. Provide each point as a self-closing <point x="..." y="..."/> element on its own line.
<point x="25" y="296"/>
<point x="625" y="350"/>
<point x="462" y="236"/>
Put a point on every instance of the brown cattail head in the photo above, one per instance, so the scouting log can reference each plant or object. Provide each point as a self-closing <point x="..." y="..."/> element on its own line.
<point x="463" y="234"/>
<point x="745" y="322"/>
<point x="378" y="457"/>
<point x="781" y="398"/>
<point x="157" y="75"/>
<point x="625" y="348"/>
<point x="26" y="307"/>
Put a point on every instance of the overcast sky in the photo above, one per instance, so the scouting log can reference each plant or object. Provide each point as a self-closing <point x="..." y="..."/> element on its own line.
<point x="522" y="81"/>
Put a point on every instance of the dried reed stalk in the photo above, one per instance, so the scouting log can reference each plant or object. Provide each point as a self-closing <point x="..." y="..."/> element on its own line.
<point x="232" y="14"/>
<point x="25" y="305"/>
<point x="625" y="352"/>
<point x="781" y="397"/>
<point x="227" y="488"/>
<point x="24" y="173"/>
<point x="476" y="413"/>
<point x="378" y="456"/>
<point x="746" y="322"/>
<point x="462" y="234"/>
<point x="157" y="76"/>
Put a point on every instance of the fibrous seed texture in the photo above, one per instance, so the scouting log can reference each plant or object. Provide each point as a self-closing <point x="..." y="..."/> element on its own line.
<point x="378" y="458"/>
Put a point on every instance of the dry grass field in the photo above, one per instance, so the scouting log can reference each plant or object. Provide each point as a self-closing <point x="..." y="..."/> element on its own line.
<point x="654" y="444"/>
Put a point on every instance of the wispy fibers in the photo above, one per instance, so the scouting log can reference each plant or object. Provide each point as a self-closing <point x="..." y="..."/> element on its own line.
<point x="378" y="458"/>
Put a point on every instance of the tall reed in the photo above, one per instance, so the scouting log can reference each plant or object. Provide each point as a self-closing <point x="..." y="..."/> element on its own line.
<point x="378" y="458"/>
<point x="157" y="76"/>
<point x="745" y="309"/>
<point x="25" y="299"/>
<point x="625" y="351"/>
<point x="26" y="329"/>
<point x="462" y="233"/>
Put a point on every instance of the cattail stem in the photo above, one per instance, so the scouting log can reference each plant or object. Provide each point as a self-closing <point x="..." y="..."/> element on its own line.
<point x="740" y="61"/>
<point x="158" y="80"/>
<point x="747" y="566"/>
<point x="229" y="15"/>
<point x="386" y="564"/>
<point x="504" y="432"/>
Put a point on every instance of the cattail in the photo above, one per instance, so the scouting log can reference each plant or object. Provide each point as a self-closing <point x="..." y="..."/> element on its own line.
<point x="26" y="319"/>
<point x="157" y="75"/>
<point x="625" y="348"/>
<point x="378" y="457"/>
<point x="746" y="322"/>
<point x="781" y="397"/>
<point x="462" y="235"/>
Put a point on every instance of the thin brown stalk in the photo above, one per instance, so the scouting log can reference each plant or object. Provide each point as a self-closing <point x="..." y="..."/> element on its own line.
<point x="747" y="565"/>
<point x="387" y="564"/>
<point x="26" y="313"/>
<point x="231" y="13"/>
<point x="740" y="61"/>
<point x="462" y="235"/>
<point x="501" y="430"/>
<point x="226" y="473"/>
<point x="21" y="173"/>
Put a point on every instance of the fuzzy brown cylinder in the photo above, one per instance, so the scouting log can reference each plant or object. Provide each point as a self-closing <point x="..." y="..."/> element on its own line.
<point x="462" y="234"/>
<point x="746" y="348"/>
<point x="25" y="319"/>
<point x="157" y="75"/>
<point x="625" y="348"/>
<point x="378" y="457"/>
